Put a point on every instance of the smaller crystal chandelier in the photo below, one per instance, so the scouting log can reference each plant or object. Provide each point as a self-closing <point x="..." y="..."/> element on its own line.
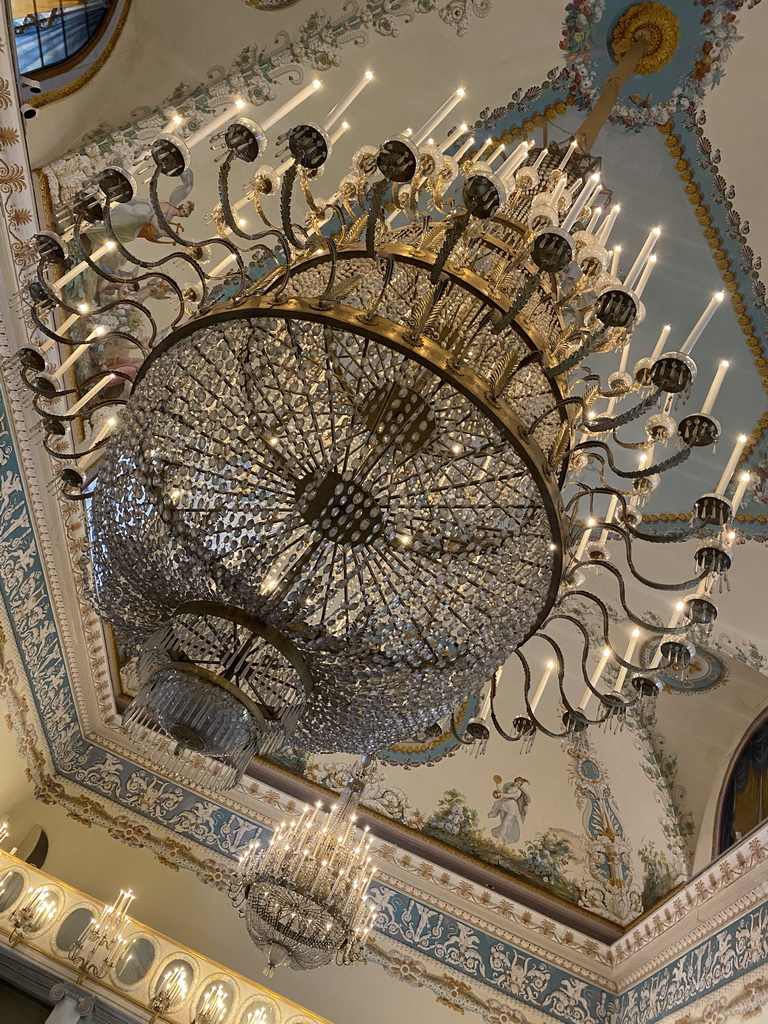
<point x="222" y="688"/>
<point x="303" y="896"/>
<point x="102" y="942"/>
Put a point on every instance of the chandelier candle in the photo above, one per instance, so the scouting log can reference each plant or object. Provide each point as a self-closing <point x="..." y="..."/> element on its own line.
<point x="464" y="148"/>
<point x="607" y="225"/>
<point x="642" y="256"/>
<point x="615" y="256"/>
<point x="741" y="490"/>
<point x="71" y="359"/>
<point x="346" y="100"/>
<point x="628" y="655"/>
<point x="609" y="518"/>
<point x="540" y="159"/>
<point x="596" y="214"/>
<point x="725" y="479"/>
<point x="662" y="341"/>
<point x="440" y="115"/>
<point x="542" y="684"/>
<point x="595" y="678"/>
<point x="590" y="187"/>
<point x="97" y="438"/>
<point x="80" y="268"/>
<point x="514" y="160"/>
<point x="272" y="119"/>
<point x="709" y="401"/>
<point x="649" y="265"/>
<point x="338" y="132"/>
<point x="706" y="316"/>
<point x="446" y="144"/>
<point x="569" y="153"/>
<point x="215" y="123"/>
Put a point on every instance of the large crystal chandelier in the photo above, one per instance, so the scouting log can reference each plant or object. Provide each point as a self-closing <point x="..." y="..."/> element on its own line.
<point x="304" y="895"/>
<point x="326" y="491"/>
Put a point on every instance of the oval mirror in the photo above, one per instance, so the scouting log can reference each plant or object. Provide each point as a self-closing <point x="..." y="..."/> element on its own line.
<point x="216" y="999"/>
<point x="136" y="961"/>
<point x="260" y="1011"/>
<point x="11" y="887"/>
<point x="45" y="911"/>
<point x="72" y="928"/>
<point x="174" y="980"/>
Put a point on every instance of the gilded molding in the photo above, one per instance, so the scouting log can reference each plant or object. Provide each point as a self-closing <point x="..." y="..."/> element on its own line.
<point x="658" y="24"/>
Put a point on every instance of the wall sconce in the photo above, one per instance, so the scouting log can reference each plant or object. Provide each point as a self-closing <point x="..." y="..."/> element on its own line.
<point x="213" y="1008"/>
<point x="172" y="991"/>
<point x="102" y="943"/>
<point x="32" y="915"/>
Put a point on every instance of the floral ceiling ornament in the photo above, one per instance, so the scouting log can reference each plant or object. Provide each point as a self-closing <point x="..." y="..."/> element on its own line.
<point x="654" y="21"/>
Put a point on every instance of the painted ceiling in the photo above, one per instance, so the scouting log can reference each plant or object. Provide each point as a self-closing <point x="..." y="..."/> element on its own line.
<point x="589" y="836"/>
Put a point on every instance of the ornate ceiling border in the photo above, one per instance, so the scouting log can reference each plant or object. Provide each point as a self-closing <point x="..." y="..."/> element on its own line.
<point x="255" y="74"/>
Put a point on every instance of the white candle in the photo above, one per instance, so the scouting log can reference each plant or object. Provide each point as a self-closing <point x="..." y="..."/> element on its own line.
<point x="596" y="213"/>
<point x="650" y="264"/>
<point x="627" y="657"/>
<point x="446" y="144"/>
<point x="499" y="151"/>
<point x="591" y="185"/>
<point x="349" y="97"/>
<point x="485" y="709"/>
<point x="556" y="194"/>
<point x="540" y="159"/>
<point x="584" y="540"/>
<point x="662" y="340"/>
<point x="479" y="154"/>
<point x="679" y="607"/>
<point x="440" y="115"/>
<point x="725" y="479"/>
<point x="615" y="255"/>
<point x="214" y="124"/>
<point x="222" y="266"/>
<point x="709" y="401"/>
<point x="290" y="104"/>
<point x="542" y="683"/>
<point x="104" y="382"/>
<point x="702" y="322"/>
<point x="77" y="352"/>
<point x="513" y="161"/>
<point x="49" y="342"/>
<point x="609" y="517"/>
<point x="464" y="148"/>
<point x="642" y="256"/>
<point x="564" y="162"/>
<point x="739" y="493"/>
<point x="76" y="271"/>
<point x="338" y="132"/>
<point x="607" y="225"/>
<point x="595" y="679"/>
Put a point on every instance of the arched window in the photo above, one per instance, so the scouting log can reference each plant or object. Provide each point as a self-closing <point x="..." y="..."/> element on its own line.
<point x="745" y="798"/>
<point x="50" y="34"/>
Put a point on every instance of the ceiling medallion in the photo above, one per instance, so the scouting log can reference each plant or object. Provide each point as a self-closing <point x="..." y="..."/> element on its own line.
<point x="325" y="460"/>
<point x="654" y="22"/>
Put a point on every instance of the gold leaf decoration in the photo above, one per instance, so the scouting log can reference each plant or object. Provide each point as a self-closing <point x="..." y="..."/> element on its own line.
<point x="9" y="136"/>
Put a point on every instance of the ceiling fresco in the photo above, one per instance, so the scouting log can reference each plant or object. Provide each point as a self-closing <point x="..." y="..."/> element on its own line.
<point x="453" y="828"/>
